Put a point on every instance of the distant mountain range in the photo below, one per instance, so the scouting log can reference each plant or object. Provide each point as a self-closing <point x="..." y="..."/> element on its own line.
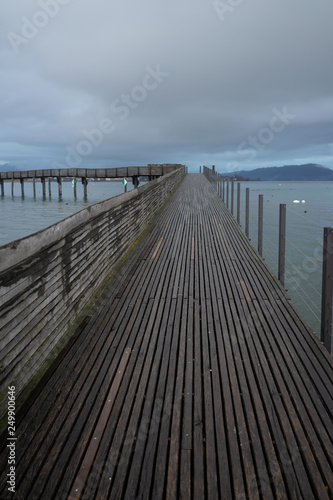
<point x="307" y="172"/>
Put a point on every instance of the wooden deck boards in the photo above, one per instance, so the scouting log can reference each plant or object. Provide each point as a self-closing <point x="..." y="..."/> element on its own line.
<point x="194" y="377"/>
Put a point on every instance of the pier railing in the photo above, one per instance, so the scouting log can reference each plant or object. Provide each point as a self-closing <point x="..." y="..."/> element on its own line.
<point x="47" y="279"/>
<point x="225" y="187"/>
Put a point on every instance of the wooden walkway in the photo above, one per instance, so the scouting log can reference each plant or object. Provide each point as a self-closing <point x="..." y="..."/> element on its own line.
<point x="194" y="377"/>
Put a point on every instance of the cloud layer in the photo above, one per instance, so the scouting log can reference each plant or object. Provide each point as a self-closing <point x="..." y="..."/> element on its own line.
<point x="195" y="82"/>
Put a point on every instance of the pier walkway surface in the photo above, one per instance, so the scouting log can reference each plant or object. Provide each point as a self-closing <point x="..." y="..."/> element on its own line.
<point x="193" y="377"/>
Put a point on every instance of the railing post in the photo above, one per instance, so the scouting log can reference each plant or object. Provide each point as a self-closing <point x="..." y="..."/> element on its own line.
<point x="228" y="193"/>
<point x="223" y="189"/>
<point x="260" y="222"/>
<point x="238" y="202"/>
<point x="327" y="289"/>
<point x="232" y="197"/>
<point x="282" y="243"/>
<point x="247" y="210"/>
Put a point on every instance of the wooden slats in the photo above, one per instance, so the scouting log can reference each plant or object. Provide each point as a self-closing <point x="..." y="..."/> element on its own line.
<point x="81" y="478"/>
<point x="226" y="394"/>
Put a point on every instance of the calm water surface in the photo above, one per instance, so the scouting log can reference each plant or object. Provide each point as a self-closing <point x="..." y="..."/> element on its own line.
<point x="21" y="217"/>
<point x="304" y="236"/>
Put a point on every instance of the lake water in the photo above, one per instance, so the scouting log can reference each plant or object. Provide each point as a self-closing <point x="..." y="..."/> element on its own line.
<point x="304" y="236"/>
<point x="305" y="223"/>
<point x="21" y="217"/>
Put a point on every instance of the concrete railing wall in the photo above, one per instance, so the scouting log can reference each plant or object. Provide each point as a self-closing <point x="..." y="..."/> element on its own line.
<point x="47" y="278"/>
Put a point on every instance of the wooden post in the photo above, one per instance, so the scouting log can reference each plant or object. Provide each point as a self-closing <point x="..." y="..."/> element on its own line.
<point x="75" y="193"/>
<point x="44" y="187"/>
<point x="2" y="187"/>
<point x="247" y="211"/>
<point x="200" y="169"/>
<point x="34" y="186"/>
<point x="260" y="222"/>
<point x="22" y="187"/>
<point x="50" y="187"/>
<point x="238" y="202"/>
<point x="135" y="181"/>
<point x="12" y="183"/>
<point x="232" y="196"/>
<point x="59" y="187"/>
<point x="85" y="184"/>
<point x="282" y="243"/>
<point x="327" y="289"/>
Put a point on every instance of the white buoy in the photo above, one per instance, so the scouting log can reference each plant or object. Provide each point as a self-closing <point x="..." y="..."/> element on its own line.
<point x="296" y="201"/>
<point x="303" y="201"/>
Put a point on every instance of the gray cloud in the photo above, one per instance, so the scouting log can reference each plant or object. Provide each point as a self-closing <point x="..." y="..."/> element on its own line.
<point x="65" y="63"/>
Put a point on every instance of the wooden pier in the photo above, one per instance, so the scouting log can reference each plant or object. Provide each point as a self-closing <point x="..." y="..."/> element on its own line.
<point x="192" y="377"/>
<point x="83" y="174"/>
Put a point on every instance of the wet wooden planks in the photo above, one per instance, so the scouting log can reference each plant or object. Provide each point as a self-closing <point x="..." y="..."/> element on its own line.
<point x="194" y="378"/>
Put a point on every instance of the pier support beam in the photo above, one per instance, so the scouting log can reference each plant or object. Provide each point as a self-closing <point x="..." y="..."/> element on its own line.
<point x="238" y="202"/>
<point x="247" y="211"/>
<point x="282" y="243"/>
<point x="43" y="186"/>
<point x="59" y="187"/>
<point x="136" y="181"/>
<point x="50" y="187"/>
<point x="85" y="184"/>
<point x="2" y="187"/>
<point x="327" y="289"/>
<point x="34" y="186"/>
<point x="22" y="187"/>
<point x="260" y="222"/>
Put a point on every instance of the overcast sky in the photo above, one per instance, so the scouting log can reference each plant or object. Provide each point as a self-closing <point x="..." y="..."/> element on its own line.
<point x="236" y="83"/>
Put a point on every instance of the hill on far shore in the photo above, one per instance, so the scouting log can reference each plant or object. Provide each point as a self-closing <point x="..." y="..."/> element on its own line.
<point x="307" y="172"/>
